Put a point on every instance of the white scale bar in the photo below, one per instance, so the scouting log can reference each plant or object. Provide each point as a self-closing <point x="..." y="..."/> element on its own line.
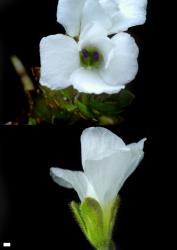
<point x="6" y="244"/>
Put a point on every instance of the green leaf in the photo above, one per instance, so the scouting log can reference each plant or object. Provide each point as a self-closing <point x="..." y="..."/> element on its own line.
<point x="32" y="121"/>
<point x="111" y="105"/>
<point x="125" y="98"/>
<point x="84" y="110"/>
<point x="52" y="105"/>
<point x="108" y="120"/>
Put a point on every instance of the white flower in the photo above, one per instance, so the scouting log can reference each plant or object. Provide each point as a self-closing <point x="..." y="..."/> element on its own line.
<point x="95" y="64"/>
<point x="107" y="163"/>
<point x="114" y="15"/>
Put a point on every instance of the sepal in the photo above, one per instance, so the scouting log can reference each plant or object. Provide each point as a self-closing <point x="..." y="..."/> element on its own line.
<point x="95" y="222"/>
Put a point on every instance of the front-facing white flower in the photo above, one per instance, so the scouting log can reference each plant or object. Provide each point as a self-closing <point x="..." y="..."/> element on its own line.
<point x="94" y="64"/>
<point x="107" y="163"/>
<point x="114" y="15"/>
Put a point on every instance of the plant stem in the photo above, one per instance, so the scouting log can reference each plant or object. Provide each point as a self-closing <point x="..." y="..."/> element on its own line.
<point x="110" y="247"/>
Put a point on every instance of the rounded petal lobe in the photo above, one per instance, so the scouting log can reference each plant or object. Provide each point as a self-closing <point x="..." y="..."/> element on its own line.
<point x="122" y="66"/>
<point x="89" y="81"/>
<point x="73" y="179"/>
<point x="98" y="143"/>
<point x="69" y="14"/>
<point x="135" y="10"/>
<point x="59" y="58"/>
<point x="125" y="13"/>
<point x="94" y="12"/>
<point x="137" y="155"/>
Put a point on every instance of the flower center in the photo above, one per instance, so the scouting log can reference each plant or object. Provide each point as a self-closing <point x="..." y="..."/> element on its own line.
<point x="90" y="57"/>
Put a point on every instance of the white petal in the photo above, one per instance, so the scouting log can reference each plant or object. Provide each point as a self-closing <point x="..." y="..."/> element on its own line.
<point x="93" y="11"/>
<point x="100" y="150"/>
<point x="98" y="143"/>
<point x="109" y="174"/>
<point x="59" y="58"/>
<point x="125" y="13"/>
<point x="91" y="31"/>
<point x="88" y="81"/>
<point x="111" y="7"/>
<point x="69" y="14"/>
<point x="73" y="179"/>
<point x="105" y="175"/>
<point x="137" y="155"/>
<point x="123" y="66"/>
<point x="108" y="161"/>
<point x="114" y="15"/>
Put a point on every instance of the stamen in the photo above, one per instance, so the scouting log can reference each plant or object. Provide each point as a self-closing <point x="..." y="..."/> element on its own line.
<point x="85" y="53"/>
<point x="96" y="56"/>
<point x="90" y="57"/>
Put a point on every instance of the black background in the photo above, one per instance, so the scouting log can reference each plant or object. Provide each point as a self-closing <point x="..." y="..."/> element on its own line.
<point x="34" y="210"/>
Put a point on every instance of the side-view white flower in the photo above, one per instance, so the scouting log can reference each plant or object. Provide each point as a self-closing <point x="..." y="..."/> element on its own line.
<point x="114" y="15"/>
<point x="94" y="64"/>
<point x="107" y="163"/>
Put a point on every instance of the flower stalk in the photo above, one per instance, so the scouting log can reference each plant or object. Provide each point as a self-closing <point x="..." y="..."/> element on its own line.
<point x="110" y="247"/>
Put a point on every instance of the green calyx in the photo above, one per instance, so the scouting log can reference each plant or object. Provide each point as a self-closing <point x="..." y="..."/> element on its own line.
<point x="90" y="57"/>
<point x="95" y="222"/>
